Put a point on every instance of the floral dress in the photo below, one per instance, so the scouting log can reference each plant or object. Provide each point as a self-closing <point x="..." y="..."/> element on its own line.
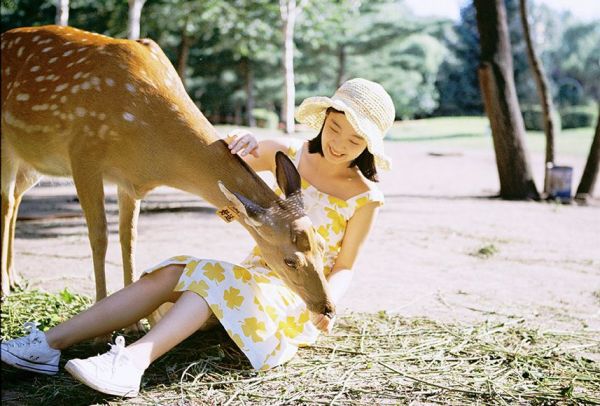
<point x="266" y="319"/>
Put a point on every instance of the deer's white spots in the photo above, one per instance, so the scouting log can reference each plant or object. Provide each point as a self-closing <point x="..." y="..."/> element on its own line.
<point x="54" y="77"/>
<point x="83" y="39"/>
<point x="47" y="49"/>
<point x="69" y="52"/>
<point x="81" y="49"/>
<point x="168" y="82"/>
<point x="80" y="111"/>
<point x="17" y="40"/>
<point x="34" y="68"/>
<point x="63" y="116"/>
<point x="53" y="106"/>
<point x="75" y="89"/>
<point x="130" y="87"/>
<point x="85" y="85"/>
<point x="22" y="97"/>
<point x="95" y="81"/>
<point x="52" y="97"/>
<point x="86" y="75"/>
<point x="92" y="114"/>
<point x="10" y="44"/>
<point x="63" y="99"/>
<point x="56" y="113"/>
<point x="53" y="59"/>
<point x="101" y="116"/>
<point x="20" y="51"/>
<point x="17" y="83"/>
<point x="46" y="41"/>
<point x="40" y="78"/>
<point x="39" y="107"/>
<point x="109" y="81"/>
<point x="77" y="75"/>
<point x="35" y="39"/>
<point x="43" y="89"/>
<point x="70" y="64"/>
<point x="81" y="60"/>
<point x="174" y="107"/>
<point x="71" y="116"/>
<point x="128" y="116"/>
<point x="67" y="43"/>
<point x="7" y="71"/>
<point x="102" y="130"/>
<point x="61" y="87"/>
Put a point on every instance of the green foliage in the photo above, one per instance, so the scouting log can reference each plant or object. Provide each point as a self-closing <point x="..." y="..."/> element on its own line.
<point x="265" y="118"/>
<point x="579" y="116"/>
<point x="533" y="117"/>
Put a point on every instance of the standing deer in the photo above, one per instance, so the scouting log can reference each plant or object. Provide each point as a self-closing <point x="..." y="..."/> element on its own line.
<point x="95" y="108"/>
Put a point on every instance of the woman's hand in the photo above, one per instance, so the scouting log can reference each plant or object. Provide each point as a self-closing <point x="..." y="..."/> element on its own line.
<point x="323" y="323"/>
<point x="242" y="142"/>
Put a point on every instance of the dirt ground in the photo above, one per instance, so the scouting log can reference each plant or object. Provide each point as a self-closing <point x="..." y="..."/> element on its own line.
<point x="421" y="260"/>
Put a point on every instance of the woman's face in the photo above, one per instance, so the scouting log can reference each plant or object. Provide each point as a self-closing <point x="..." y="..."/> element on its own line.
<point x="339" y="140"/>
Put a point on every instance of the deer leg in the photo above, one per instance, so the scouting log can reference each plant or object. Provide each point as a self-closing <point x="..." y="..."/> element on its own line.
<point x="26" y="179"/>
<point x="129" y="210"/>
<point x="9" y="176"/>
<point x="90" y="190"/>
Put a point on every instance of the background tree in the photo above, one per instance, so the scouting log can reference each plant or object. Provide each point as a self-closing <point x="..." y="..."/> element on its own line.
<point x="543" y="92"/>
<point x="590" y="173"/>
<point x="135" y="15"/>
<point x="501" y="104"/>
<point x="62" y="12"/>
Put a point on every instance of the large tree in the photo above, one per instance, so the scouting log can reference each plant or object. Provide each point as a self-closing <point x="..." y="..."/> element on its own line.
<point x="543" y="92"/>
<point x="62" y="12"/>
<point x="500" y="101"/>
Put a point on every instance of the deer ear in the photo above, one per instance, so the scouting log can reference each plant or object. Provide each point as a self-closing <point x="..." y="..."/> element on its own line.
<point x="287" y="175"/>
<point x="244" y="205"/>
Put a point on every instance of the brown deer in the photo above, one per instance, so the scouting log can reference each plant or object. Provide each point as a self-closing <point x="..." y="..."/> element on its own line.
<point x="95" y="108"/>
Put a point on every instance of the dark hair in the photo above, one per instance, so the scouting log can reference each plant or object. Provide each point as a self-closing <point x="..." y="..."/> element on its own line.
<point x="365" y="161"/>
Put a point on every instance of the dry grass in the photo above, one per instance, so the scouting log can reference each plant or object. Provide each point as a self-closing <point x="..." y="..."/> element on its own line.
<point x="370" y="359"/>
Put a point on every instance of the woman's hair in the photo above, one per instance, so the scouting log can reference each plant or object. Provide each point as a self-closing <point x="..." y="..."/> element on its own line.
<point x="365" y="161"/>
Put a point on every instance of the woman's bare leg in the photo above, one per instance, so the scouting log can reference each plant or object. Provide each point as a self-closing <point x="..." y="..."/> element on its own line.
<point x="118" y="310"/>
<point x="189" y="313"/>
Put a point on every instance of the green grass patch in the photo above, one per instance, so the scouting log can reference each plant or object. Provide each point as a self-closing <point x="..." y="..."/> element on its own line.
<point x="474" y="132"/>
<point x="370" y="359"/>
<point x="486" y="251"/>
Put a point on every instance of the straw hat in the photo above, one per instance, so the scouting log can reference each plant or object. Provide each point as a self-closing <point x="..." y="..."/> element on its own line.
<point x="368" y="108"/>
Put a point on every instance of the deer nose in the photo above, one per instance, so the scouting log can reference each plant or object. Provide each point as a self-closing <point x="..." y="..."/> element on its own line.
<point x="329" y="310"/>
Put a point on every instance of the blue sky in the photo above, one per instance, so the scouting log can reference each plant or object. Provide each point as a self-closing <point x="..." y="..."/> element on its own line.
<point x="584" y="9"/>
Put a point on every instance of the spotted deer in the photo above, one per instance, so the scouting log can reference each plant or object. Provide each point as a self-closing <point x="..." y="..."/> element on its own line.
<point x="82" y="105"/>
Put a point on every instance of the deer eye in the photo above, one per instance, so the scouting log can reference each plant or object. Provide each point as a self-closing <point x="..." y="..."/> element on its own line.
<point x="291" y="262"/>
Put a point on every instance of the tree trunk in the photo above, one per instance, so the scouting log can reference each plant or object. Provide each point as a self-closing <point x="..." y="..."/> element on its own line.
<point x="183" y="53"/>
<point x="135" y="15"/>
<point x="542" y="87"/>
<point x="590" y="173"/>
<point x="341" y="65"/>
<point x="249" y="80"/>
<point x="288" y="15"/>
<point x="62" y="12"/>
<point x="500" y="99"/>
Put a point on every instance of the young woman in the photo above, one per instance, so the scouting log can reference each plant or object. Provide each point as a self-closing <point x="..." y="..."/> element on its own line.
<point x="263" y="317"/>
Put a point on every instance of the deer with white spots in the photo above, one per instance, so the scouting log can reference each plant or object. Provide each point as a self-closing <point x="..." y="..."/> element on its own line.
<point x="97" y="109"/>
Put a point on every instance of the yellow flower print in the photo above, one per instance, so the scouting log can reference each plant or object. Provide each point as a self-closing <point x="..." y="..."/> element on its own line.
<point x="258" y="304"/>
<point x="236" y="339"/>
<point x="260" y="278"/>
<point x="271" y="312"/>
<point x="179" y="286"/>
<point x="241" y="273"/>
<point x="290" y="328"/>
<point x="216" y="309"/>
<point x="179" y="258"/>
<point x="362" y="201"/>
<point x="233" y="298"/>
<point x="278" y="192"/>
<point x="191" y="267"/>
<point x="337" y="202"/>
<point x="256" y="251"/>
<point x="304" y="184"/>
<point x="252" y="328"/>
<point x="199" y="287"/>
<point x="304" y="317"/>
<point x="291" y="152"/>
<point x="338" y="222"/>
<point x="324" y="232"/>
<point x="214" y="271"/>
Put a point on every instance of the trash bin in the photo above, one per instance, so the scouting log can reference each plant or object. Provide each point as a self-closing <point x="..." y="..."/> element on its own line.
<point x="559" y="182"/>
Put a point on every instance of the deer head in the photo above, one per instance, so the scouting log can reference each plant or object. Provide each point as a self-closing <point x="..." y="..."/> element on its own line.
<point x="286" y="237"/>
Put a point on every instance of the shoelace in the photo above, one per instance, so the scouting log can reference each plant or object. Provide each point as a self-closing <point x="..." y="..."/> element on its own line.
<point x="32" y="337"/>
<point x="113" y="356"/>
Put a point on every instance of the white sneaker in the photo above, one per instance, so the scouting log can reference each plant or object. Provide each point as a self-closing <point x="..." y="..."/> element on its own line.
<point x="32" y="352"/>
<point x="112" y="372"/>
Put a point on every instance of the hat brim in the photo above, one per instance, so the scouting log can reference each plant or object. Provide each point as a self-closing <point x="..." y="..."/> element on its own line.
<point x="313" y="111"/>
